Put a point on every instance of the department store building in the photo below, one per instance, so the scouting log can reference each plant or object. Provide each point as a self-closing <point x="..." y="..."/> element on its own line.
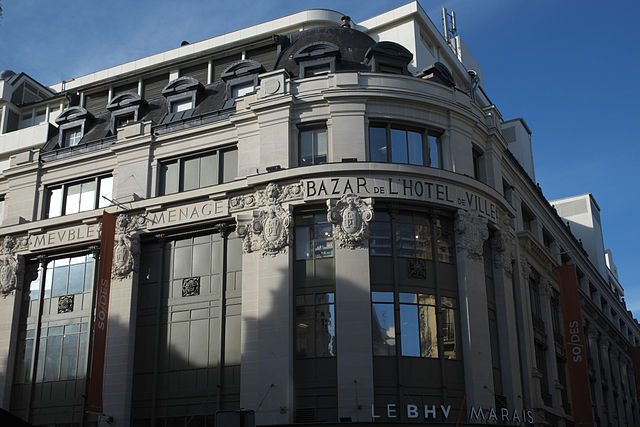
<point x="316" y="220"/>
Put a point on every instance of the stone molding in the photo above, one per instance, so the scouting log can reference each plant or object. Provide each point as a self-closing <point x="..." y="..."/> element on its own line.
<point x="350" y="217"/>
<point x="471" y="232"/>
<point x="126" y="245"/>
<point x="267" y="229"/>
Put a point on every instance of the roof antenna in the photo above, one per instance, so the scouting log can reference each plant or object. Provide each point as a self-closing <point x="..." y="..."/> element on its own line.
<point x="346" y="21"/>
<point x="449" y="26"/>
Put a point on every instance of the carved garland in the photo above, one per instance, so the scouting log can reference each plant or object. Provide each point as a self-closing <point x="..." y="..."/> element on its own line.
<point x="350" y="217"/>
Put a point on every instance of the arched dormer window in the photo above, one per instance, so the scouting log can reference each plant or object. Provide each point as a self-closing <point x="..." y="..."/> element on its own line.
<point x="71" y="123"/>
<point x="124" y="109"/>
<point x="182" y="94"/>
<point x="388" y="57"/>
<point x="241" y="78"/>
<point x="438" y="73"/>
<point x="316" y="59"/>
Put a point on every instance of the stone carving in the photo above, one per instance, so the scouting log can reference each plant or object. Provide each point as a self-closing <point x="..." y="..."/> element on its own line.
<point x="503" y="247"/>
<point x="65" y="304"/>
<point x="350" y="216"/>
<point x="417" y="268"/>
<point x="126" y="245"/>
<point x="471" y="232"/>
<point x="190" y="286"/>
<point x="267" y="229"/>
<point x="272" y="194"/>
<point x="9" y="264"/>
<point x="526" y="269"/>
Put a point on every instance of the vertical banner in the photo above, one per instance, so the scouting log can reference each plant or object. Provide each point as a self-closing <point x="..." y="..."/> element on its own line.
<point x="576" y="345"/>
<point x="94" y="403"/>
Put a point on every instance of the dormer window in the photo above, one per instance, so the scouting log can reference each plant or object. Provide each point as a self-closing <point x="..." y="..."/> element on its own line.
<point x="71" y="123"/>
<point x="241" y="79"/>
<point x="71" y="137"/>
<point x="316" y="59"/>
<point x="124" y="109"/>
<point x="182" y="96"/>
<point x="388" y="57"/>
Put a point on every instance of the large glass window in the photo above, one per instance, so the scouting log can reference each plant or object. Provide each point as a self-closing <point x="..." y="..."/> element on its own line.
<point x="199" y="171"/>
<point x="419" y="325"/>
<point x="315" y="325"/>
<point x="396" y="144"/>
<point x="79" y="196"/>
<point x="313" y="147"/>
<point x="62" y="352"/>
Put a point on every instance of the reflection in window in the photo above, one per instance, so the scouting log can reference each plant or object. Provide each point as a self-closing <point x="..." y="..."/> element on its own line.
<point x="418" y="324"/>
<point x="448" y="328"/>
<point x="181" y="105"/>
<point x="383" y="329"/>
<point x="71" y="137"/>
<point x="444" y="240"/>
<point x="65" y="276"/>
<point x="61" y="354"/>
<point x="79" y="196"/>
<point x="413" y="237"/>
<point x="313" y="147"/>
<point x="315" y="240"/>
<point x="380" y="235"/>
<point x="199" y="171"/>
<point x="315" y="325"/>
<point x="399" y="145"/>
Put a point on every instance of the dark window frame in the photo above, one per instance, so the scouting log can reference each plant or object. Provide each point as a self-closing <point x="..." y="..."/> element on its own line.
<point x="97" y="179"/>
<point x="425" y="132"/>
<point x="312" y="127"/>
<point x="161" y="180"/>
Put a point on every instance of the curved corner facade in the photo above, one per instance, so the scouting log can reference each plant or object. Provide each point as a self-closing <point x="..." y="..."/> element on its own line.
<point x="318" y="226"/>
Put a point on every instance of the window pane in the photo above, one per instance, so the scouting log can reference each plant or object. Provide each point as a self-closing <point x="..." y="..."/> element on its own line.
<point x="241" y="90"/>
<point x="434" y="151"/>
<point x="409" y="328"/>
<point x="383" y="330"/>
<point x="52" y="359"/>
<point x="34" y="287"/>
<point x="380" y="240"/>
<point x="82" y="354"/>
<point x="208" y="170"/>
<point x="106" y="191"/>
<point x="414" y="140"/>
<point x="405" y="240"/>
<point x="448" y="328"/>
<point x="69" y="357"/>
<point x="325" y="330"/>
<point x="55" y="202"/>
<point x="323" y="241"/>
<point x="306" y="148"/>
<point x="76" y="279"/>
<point x="169" y="177"/>
<point x="428" y="331"/>
<point x="303" y="243"/>
<point x="181" y="105"/>
<point x="444" y="241"/>
<point x="381" y="296"/>
<point x="40" y="360"/>
<point x="229" y="165"/>
<point x="407" y="298"/>
<point x="48" y="280"/>
<point x="422" y="234"/>
<point x="73" y="199"/>
<point x="378" y="144"/>
<point x="320" y="151"/>
<point x="88" y="274"/>
<point x="88" y="196"/>
<point x="60" y="276"/>
<point x="304" y="331"/>
<point x="399" y="146"/>
<point x="40" y="116"/>
<point x="190" y="173"/>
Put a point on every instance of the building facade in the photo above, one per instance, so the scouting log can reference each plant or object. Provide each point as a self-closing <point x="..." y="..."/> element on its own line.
<point x="312" y="219"/>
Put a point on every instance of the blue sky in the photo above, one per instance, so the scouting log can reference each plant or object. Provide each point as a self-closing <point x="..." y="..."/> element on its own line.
<point x="569" y="68"/>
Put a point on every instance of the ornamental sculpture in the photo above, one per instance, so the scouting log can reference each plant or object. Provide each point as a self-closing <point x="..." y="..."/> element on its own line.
<point x="268" y="230"/>
<point x="125" y="245"/>
<point x="350" y="217"/>
<point x="503" y="246"/>
<point x="471" y="232"/>
<point x="8" y="266"/>
<point x="272" y="194"/>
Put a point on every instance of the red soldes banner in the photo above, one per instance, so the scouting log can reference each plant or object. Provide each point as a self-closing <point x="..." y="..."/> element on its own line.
<point x="94" y="403"/>
<point x="576" y="345"/>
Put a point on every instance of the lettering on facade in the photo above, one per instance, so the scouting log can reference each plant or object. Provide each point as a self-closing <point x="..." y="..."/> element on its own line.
<point x="476" y="414"/>
<point x="64" y="236"/>
<point x="400" y="188"/>
<point x="186" y="214"/>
